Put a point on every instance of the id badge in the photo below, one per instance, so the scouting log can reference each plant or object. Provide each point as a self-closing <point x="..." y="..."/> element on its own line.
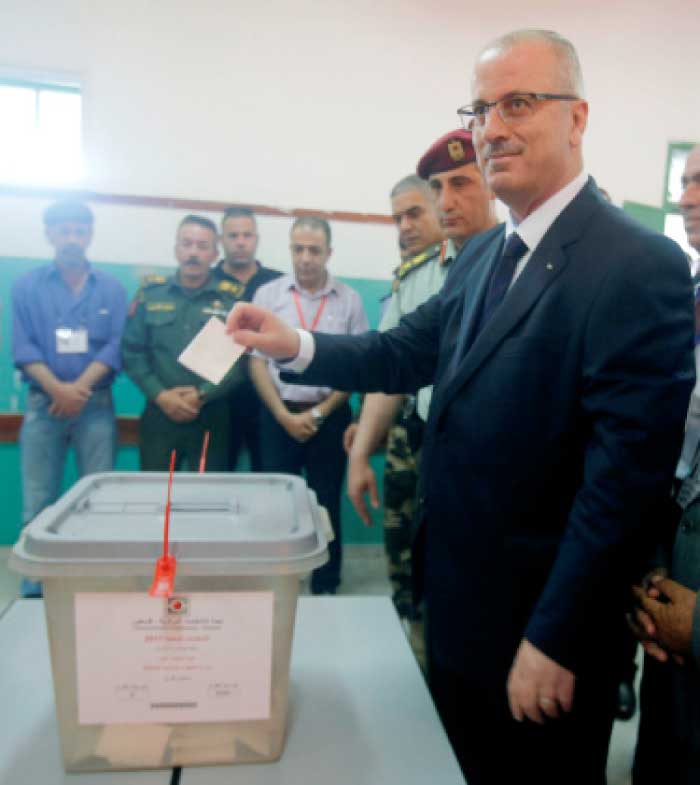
<point x="69" y="341"/>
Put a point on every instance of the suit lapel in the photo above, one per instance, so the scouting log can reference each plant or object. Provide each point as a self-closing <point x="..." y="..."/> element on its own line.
<point x="542" y="269"/>
<point x="475" y="288"/>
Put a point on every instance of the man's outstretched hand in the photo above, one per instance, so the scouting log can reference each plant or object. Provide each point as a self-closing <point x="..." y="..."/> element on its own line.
<point x="257" y="328"/>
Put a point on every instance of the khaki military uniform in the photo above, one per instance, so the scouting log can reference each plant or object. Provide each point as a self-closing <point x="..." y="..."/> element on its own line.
<point x="415" y="281"/>
<point x="164" y="317"/>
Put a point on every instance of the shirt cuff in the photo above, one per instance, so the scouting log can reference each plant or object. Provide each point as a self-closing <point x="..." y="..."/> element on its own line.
<point x="307" y="349"/>
<point x="27" y="355"/>
<point x="110" y="357"/>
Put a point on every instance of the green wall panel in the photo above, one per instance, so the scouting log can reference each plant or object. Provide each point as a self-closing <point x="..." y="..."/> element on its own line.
<point x="128" y="401"/>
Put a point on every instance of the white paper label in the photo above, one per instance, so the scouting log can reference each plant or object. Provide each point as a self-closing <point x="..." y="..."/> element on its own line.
<point x="200" y="657"/>
<point x="211" y="353"/>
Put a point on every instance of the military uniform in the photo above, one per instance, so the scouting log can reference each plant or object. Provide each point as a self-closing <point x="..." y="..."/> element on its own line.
<point x="164" y="317"/>
<point x="415" y="280"/>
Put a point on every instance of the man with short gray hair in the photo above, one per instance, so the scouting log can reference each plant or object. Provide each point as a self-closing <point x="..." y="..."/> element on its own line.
<point x="560" y="349"/>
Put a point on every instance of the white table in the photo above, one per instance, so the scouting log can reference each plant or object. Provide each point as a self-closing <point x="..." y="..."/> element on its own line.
<point x="29" y="749"/>
<point x="360" y="713"/>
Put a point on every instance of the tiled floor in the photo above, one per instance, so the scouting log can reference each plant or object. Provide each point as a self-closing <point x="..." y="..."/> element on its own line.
<point x="364" y="572"/>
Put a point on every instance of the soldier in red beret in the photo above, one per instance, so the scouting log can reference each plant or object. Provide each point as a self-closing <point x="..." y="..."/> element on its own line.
<point x="465" y="207"/>
<point x="464" y="202"/>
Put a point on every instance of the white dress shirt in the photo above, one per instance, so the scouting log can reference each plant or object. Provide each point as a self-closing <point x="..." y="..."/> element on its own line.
<point x="533" y="228"/>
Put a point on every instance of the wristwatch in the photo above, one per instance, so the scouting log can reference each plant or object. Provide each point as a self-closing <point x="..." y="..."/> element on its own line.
<point x="317" y="417"/>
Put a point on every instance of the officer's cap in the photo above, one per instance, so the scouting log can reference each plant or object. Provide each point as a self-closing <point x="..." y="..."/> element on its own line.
<point x="452" y="150"/>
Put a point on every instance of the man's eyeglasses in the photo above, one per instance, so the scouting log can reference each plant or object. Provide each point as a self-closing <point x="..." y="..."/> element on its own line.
<point x="511" y="108"/>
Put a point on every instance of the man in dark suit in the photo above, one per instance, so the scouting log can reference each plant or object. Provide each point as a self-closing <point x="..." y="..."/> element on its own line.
<point x="560" y="348"/>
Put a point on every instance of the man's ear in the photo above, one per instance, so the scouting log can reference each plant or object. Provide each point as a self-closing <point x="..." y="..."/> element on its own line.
<point x="579" y="117"/>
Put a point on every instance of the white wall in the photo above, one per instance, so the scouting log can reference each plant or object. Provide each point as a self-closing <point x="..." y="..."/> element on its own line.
<point x="325" y="104"/>
<point x="146" y="236"/>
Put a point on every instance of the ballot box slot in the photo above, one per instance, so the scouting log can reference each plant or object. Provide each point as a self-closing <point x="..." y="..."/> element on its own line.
<point x="92" y="507"/>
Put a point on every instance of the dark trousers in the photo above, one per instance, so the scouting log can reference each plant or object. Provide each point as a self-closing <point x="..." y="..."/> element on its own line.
<point x="245" y="409"/>
<point x="159" y="435"/>
<point x="323" y="462"/>
<point x="668" y="745"/>
<point x="493" y="749"/>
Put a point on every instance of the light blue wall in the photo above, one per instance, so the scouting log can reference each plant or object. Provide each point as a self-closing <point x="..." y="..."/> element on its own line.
<point x="128" y="401"/>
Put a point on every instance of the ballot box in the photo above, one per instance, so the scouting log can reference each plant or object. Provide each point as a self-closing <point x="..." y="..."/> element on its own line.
<point x="199" y="677"/>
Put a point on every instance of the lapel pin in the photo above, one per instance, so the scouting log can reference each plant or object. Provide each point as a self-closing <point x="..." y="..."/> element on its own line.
<point x="549" y="266"/>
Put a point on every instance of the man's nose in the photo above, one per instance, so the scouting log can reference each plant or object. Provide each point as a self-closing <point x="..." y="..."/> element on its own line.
<point x="494" y="126"/>
<point x="404" y="223"/>
<point x="445" y="199"/>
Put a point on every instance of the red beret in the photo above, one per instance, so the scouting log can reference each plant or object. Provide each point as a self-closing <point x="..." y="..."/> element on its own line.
<point x="450" y="151"/>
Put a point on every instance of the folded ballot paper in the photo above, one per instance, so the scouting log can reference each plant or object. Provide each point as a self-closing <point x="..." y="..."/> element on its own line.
<point x="211" y="353"/>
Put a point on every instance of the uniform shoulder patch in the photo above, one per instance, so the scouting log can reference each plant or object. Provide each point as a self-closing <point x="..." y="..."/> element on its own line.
<point x="407" y="267"/>
<point x="235" y="289"/>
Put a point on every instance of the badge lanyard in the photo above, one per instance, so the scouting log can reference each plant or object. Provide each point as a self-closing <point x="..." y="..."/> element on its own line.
<point x="300" y="313"/>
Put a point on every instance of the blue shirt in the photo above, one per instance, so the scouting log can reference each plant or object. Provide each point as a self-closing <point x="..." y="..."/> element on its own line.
<point x="42" y="302"/>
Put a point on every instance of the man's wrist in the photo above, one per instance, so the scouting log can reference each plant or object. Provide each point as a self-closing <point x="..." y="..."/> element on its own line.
<point x="51" y="386"/>
<point x="359" y="451"/>
<point x="282" y="414"/>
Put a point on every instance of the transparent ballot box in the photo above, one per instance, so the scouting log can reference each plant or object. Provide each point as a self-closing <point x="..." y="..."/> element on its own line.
<point x="199" y="677"/>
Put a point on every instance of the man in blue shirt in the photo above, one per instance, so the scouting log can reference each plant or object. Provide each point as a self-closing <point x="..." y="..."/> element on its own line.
<point x="67" y="321"/>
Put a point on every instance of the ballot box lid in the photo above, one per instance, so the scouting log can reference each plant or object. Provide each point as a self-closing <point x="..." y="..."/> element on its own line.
<point x="235" y="523"/>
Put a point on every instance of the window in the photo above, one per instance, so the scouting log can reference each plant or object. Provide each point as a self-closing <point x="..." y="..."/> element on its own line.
<point x="675" y="229"/>
<point x="40" y="132"/>
<point x="675" y="164"/>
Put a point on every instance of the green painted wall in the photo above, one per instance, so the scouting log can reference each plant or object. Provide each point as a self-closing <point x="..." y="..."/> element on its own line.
<point x="128" y="400"/>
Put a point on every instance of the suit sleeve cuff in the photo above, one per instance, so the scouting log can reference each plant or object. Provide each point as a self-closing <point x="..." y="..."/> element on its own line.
<point x="307" y="348"/>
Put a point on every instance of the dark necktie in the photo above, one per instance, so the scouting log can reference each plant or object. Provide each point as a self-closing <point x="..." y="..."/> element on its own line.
<point x="503" y="272"/>
<point x="502" y="275"/>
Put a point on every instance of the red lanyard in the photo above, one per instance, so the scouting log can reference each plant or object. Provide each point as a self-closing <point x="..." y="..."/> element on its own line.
<point x="300" y="313"/>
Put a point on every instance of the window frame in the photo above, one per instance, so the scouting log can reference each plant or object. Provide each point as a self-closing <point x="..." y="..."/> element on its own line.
<point x="55" y="83"/>
<point x="673" y="147"/>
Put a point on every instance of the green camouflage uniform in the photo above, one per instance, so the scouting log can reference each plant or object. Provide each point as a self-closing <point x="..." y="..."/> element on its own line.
<point x="415" y="281"/>
<point x="164" y="317"/>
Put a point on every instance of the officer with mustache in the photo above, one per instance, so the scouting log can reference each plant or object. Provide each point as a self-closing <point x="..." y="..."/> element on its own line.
<point x="165" y="315"/>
